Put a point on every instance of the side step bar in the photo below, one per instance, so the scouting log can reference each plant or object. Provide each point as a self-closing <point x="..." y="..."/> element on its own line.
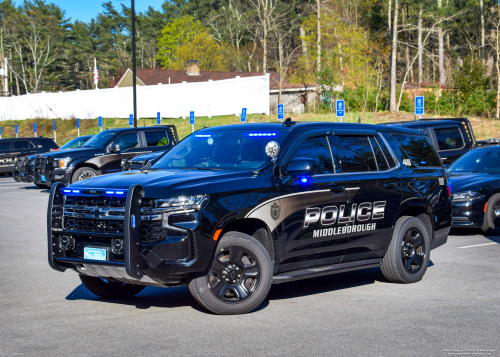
<point x="325" y="270"/>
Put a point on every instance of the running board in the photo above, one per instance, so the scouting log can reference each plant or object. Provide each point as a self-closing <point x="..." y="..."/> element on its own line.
<point x="325" y="270"/>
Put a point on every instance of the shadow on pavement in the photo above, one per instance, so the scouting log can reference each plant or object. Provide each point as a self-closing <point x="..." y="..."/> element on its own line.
<point x="180" y="296"/>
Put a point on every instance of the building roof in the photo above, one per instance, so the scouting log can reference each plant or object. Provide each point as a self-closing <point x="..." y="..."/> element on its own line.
<point x="153" y="76"/>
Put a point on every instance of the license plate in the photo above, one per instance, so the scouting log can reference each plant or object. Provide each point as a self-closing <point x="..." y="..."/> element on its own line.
<point x="94" y="253"/>
<point x="43" y="178"/>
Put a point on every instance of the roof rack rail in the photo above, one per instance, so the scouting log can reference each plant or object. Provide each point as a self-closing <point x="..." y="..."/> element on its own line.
<point x="289" y="122"/>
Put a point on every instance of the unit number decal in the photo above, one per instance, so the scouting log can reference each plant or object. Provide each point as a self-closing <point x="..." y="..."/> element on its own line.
<point x="407" y="162"/>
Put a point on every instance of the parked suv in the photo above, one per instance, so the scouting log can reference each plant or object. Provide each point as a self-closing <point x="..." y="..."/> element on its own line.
<point x="24" y="167"/>
<point x="451" y="137"/>
<point x="102" y="154"/>
<point x="231" y="210"/>
<point x="12" y="149"/>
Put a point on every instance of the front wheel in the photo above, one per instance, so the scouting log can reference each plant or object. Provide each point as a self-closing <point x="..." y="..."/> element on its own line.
<point x="84" y="173"/>
<point x="491" y="223"/>
<point x="110" y="290"/>
<point x="408" y="255"/>
<point x="238" y="280"/>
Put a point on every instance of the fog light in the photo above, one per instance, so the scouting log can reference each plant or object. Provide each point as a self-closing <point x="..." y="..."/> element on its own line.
<point x="66" y="242"/>
<point x="117" y="246"/>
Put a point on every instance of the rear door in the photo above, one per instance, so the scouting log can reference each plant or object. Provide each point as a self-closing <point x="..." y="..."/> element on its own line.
<point x="310" y="207"/>
<point x="451" y="142"/>
<point x="374" y="179"/>
<point x="157" y="140"/>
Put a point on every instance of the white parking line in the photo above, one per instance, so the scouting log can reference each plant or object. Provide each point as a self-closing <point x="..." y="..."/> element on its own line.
<point x="477" y="245"/>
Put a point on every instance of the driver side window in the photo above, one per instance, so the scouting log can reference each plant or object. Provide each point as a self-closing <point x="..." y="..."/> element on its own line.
<point x="316" y="148"/>
<point x="127" y="141"/>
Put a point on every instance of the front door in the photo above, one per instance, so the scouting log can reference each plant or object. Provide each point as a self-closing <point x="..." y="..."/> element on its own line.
<point x="129" y="147"/>
<point x="374" y="195"/>
<point x="310" y="207"/>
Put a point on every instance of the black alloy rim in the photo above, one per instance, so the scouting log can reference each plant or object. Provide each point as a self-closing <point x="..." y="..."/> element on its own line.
<point x="235" y="275"/>
<point x="413" y="250"/>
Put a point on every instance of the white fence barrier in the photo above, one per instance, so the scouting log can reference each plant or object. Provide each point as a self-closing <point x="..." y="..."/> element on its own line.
<point x="210" y="98"/>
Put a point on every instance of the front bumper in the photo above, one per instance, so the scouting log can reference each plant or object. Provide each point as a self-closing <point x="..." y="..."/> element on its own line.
<point x="148" y="259"/>
<point x="468" y="214"/>
<point x="60" y="175"/>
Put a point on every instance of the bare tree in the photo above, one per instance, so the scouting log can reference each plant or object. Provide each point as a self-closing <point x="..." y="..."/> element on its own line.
<point x="393" y="107"/>
<point x="442" y="74"/>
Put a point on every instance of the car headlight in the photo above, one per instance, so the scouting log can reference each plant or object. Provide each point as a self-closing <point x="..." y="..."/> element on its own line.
<point x="466" y="196"/>
<point x="63" y="163"/>
<point x="183" y="202"/>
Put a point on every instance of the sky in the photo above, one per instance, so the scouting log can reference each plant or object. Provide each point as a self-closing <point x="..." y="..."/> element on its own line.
<point x="85" y="10"/>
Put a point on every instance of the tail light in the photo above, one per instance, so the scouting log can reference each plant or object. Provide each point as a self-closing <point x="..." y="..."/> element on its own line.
<point x="449" y="189"/>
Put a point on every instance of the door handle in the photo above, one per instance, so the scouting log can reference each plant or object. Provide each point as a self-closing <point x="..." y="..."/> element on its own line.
<point x="391" y="185"/>
<point x="337" y="189"/>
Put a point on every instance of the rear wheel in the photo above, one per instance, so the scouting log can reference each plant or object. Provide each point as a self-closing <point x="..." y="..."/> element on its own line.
<point x="110" y="290"/>
<point x="238" y="280"/>
<point x="84" y="173"/>
<point x="491" y="223"/>
<point x="407" y="257"/>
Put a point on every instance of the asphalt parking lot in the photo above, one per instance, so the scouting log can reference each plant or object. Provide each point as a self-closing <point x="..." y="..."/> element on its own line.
<point x="454" y="310"/>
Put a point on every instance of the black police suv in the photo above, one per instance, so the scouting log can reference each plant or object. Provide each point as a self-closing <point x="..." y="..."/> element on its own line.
<point x="451" y="137"/>
<point x="231" y="210"/>
<point x="475" y="179"/>
<point x="102" y="154"/>
<point x="138" y="162"/>
<point x="24" y="167"/>
<point x="13" y="149"/>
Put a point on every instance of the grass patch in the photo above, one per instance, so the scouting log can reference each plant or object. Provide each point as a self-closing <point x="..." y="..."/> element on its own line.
<point x="66" y="129"/>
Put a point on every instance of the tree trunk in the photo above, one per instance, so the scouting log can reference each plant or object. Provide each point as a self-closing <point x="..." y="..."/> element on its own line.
<point x="393" y="105"/>
<point x="497" y="48"/>
<point x="420" y="49"/>
<point x="319" y="38"/>
<point x="407" y="40"/>
<point x="483" y="48"/>
<point x="389" y="17"/>
<point x="304" y="43"/>
<point x="442" y="74"/>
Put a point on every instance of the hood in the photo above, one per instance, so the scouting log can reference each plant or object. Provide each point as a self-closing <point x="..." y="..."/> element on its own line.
<point x="76" y="152"/>
<point x="470" y="181"/>
<point x="166" y="183"/>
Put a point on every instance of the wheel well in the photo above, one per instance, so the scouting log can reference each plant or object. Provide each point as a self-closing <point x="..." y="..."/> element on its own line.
<point x="85" y="164"/>
<point x="422" y="214"/>
<point x="255" y="228"/>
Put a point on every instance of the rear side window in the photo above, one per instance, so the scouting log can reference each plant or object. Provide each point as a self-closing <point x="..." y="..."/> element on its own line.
<point x="386" y="153"/>
<point x="318" y="149"/>
<point x="4" y="146"/>
<point x="20" y="145"/>
<point x="418" y="149"/>
<point x="381" y="161"/>
<point x="156" y="138"/>
<point x="449" y="138"/>
<point x="356" y="154"/>
<point x="49" y="144"/>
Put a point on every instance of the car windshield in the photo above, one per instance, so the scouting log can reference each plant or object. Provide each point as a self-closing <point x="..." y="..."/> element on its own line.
<point x="482" y="160"/>
<point x="75" y="143"/>
<point x="99" y="140"/>
<point x="234" y="150"/>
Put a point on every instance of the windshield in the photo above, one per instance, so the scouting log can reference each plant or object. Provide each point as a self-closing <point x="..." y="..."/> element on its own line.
<point x="234" y="150"/>
<point x="75" y="143"/>
<point x="100" y="139"/>
<point x="487" y="161"/>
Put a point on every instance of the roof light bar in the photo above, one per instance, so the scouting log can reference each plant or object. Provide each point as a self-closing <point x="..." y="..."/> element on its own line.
<point x="203" y="135"/>
<point x="262" y="134"/>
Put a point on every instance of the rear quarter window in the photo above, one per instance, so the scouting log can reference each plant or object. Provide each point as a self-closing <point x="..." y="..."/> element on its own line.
<point x="5" y="146"/>
<point x="418" y="149"/>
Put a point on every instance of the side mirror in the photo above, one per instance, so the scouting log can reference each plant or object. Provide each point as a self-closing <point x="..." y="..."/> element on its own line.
<point x="114" y="148"/>
<point x="301" y="166"/>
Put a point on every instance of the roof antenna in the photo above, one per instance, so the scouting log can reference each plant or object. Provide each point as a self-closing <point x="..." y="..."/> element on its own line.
<point x="288" y="122"/>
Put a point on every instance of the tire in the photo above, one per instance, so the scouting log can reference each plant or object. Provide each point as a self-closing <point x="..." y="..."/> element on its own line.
<point x="489" y="227"/>
<point x="109" y="290"/>
<point x="40" y="185"/>
<point x="84" y="173"/>
<point x="408" y="255"/>
<point x="222" y="290"/>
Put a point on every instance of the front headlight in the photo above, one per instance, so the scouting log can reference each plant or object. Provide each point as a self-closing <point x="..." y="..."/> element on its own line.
<point x="63" y="163"/>
<point x="183" y="202"/>
<point x="466" y="197"/>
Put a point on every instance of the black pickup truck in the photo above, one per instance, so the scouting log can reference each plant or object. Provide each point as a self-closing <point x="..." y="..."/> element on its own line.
<point x="451" y="137"/>
<point x="102" y="154"/>
<point x="13" y="149"/>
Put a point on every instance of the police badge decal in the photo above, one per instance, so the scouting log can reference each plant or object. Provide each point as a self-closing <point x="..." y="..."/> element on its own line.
<point x="275" y="211"/>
